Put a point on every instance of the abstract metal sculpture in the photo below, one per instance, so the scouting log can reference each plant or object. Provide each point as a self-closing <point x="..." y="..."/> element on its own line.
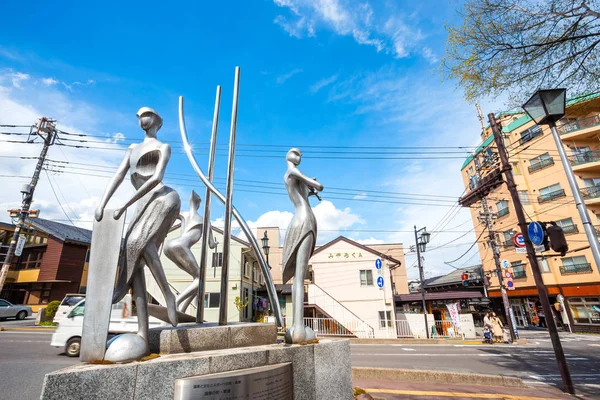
<point x="179" y="250"/>
<point x="157" y="209"/>
<point x="299" y="242"/>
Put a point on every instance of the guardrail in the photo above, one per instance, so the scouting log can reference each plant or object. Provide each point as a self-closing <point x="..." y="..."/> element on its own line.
<point x="591" y="192"/>
<point x="403" y="329"/>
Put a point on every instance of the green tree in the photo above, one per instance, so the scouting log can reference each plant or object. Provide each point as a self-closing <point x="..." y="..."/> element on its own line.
<point x="518" y="46"/>
<point x="52" y="308"/>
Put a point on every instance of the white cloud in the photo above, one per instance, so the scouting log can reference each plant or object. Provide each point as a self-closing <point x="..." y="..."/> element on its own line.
<point x="323" y="83"/>
<point x="18" y="78"/>
<point x="369" y="241"/>
<point x="77" y="190"/>
<point x="429" y="55"/>
<point x="282" y="78"/>
<point x="350" y="18"/>
<point x="49" y="81"/>
<point x="360" y="196"/>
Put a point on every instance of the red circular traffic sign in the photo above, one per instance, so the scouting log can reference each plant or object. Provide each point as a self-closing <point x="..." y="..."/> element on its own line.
<point x="519" y="240"/>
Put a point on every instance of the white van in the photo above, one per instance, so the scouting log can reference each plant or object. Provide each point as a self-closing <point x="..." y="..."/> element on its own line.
<point x="66" y="305"/>
<point x="69" y="329"/>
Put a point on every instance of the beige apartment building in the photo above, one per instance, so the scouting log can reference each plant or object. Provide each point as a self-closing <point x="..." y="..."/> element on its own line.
<point x="546" y="196"/>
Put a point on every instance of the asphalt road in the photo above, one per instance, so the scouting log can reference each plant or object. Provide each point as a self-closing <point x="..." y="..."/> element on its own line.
<point x="535" y="362"/>
<point x="25" y="357"/>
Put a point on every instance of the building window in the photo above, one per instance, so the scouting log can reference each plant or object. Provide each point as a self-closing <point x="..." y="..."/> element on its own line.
<point x="211" y="300"/>
<point x="382" y="319"/>
<point x="567" y="225"/>
<point x="518" y="268"/>
<point x="366" y="277"/>
<point x="508" y="238"/>
<point x="551" y="192"/>
<point x="585" y="310"/>
<point x="516" y="169"/>
<point x="31" y="260"/>
<point x="255" y="274"/>
<point x="540" y="162"/>
<point x="575" y="265"/>
<point x="246" y="265"/>
<point x="502" y="208"/>
<point x="543" y="263"/>
<point x="524" y="197"/>
<point x="592" y="188"/>
<point x="217" y="260"/>
<point x="530" y="133"/>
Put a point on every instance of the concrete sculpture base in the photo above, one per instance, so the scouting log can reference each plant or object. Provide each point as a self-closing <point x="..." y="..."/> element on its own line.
<point x="187" y="338"/>
<point x="320" y="371"/>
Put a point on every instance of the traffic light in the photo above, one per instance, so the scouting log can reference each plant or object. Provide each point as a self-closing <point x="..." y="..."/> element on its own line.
<point x="558" y="242"/>
<point x="465" y="279"/>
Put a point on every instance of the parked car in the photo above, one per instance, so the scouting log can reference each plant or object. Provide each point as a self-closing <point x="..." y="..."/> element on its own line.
<point x="9" y="310"/>
<point x="68" y="332"/>
<point x="67" y="304"/>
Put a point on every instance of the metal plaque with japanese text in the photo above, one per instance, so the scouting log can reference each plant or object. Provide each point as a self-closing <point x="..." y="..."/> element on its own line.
<point x="271" y="382"/>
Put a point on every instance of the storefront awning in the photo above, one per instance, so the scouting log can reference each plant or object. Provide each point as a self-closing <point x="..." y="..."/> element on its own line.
<point x="458" y="295"/>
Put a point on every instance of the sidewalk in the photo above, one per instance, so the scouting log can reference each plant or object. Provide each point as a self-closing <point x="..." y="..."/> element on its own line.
<point x="388" y="390"/>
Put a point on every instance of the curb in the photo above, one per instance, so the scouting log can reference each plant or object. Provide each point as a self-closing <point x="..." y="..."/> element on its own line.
<point x="426" y="341"/>
<point x="40" y="329"/>
<point x="438" y="377"/>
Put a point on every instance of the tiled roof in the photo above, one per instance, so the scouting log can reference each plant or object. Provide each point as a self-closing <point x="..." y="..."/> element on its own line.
<point x="453" y="278"/>
<point x="64" y="232"/>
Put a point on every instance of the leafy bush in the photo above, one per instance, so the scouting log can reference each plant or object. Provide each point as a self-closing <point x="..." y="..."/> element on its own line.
<point x="52" y="308"/>
<point x="48" y="323"/>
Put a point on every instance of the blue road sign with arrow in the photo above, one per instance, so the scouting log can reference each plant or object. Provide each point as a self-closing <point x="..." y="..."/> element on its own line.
<point x="536" y="233"/>
<point x="380" y="282"/>
<point x="378" y="263"/>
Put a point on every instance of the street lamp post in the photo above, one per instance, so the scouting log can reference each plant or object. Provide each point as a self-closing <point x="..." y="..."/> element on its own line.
<point x="266" y="247"/>
<point x="421" y="241"/>
<point x="546" y="107"/>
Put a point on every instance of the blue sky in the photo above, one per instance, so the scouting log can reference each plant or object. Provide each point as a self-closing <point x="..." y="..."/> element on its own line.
<point x="326" y="73"/>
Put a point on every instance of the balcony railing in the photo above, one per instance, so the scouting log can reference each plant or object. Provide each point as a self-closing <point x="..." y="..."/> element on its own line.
<point x="585" y="157"/>
<point x="570" y="229"/>
<point x="519" y="274"/>
<point x="529" y="134"/>
<point x="502" y="212"/>
<point x="551" y="196"/>
<point x="590" y="192"/>
<point x="536" y="166"/>
<point x="576" y="269"/>
<point x="578" y="124"/>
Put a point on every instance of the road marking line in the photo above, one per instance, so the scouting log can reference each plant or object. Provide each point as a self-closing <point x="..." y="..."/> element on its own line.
<point x="433" y="355"/>
<point x="457" y="394"/>
<point x="577" y="359"/>
<point x="408" y="349"/>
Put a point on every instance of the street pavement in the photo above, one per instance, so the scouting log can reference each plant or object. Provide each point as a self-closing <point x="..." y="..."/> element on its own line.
<point x="533" y="362"/>
<point x="26" y="356"/>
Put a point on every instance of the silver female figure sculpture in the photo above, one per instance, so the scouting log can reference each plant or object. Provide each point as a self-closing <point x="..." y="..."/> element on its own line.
<point x="299" y="242"/>
<point x="157" y="209"/>
<point x="179" y="250"/>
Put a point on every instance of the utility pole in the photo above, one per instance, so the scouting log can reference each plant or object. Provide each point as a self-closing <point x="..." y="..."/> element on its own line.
<point x="496" y="251"/>
<point x="537" y="275"/>
<point x="422" y="276"/>
<point x="45" y="129"/>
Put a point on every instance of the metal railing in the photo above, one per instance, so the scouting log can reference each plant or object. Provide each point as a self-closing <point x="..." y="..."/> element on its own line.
<point x="503" y="211"/>
<point x="529" y="134"/>
<point x="332" y="327"/>
<point x="551" y="196"/>
<point x="590" y="192"/>
<point x="403" y="329"/>
<point x="585" y="157"/>
<point x="570" y="229"/>
<point x="538" y="165"/>
<point x="578" y="124"/>
<point x="446" y="329"/>
<point x="576" y="269"/>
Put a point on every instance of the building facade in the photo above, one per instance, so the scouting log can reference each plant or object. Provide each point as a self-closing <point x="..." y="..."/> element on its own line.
<point x="546" y="196"/>
<point x="53" y="262"/>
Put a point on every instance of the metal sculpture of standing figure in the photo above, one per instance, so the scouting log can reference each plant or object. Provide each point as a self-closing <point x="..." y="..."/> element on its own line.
<point x="179" y="250"/>
<point x="299" y="242"/>
<point x="157" y="208"/>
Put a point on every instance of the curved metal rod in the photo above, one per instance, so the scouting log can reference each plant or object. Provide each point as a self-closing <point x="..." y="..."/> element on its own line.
<point x="263" y="264"/>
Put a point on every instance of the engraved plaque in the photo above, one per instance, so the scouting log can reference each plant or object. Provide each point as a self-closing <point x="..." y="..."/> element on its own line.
<point x="271" y="382"/>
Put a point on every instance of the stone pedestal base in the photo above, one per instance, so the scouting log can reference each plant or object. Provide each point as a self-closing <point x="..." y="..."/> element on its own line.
<point x="320" y="371"/>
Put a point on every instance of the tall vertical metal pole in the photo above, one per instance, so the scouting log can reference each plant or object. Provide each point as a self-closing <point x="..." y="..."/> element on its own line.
<point x="422" y="283"/>
<point x="590" y="232"/>
<point x="46" y="125"/>
<point x="207" y="200"/>
<point x="537" y="274"/>
<point x="496" y="251"/>
<point x="229" y="202"/>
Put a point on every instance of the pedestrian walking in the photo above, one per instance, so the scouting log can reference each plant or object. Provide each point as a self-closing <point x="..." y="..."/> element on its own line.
<point x="496" y="327"/>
